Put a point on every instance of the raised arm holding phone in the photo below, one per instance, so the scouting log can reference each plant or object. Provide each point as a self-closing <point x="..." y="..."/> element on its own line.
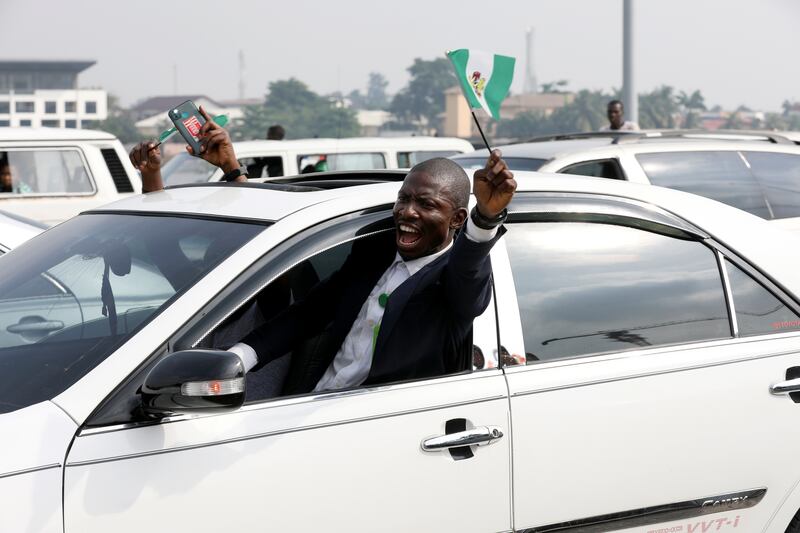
<point x="216" y="147"/>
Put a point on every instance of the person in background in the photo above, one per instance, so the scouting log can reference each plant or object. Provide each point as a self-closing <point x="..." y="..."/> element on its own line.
<point x="276" y="133"/>
<point x="616" y="118"/>
<point x="10" y="183"/>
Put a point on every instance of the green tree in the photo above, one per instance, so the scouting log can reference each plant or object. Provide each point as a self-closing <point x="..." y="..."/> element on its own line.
<point x="658" y="108"/>
<point x="423" y="98"/>
<point x="524" y="125"/>
<point x="302" y="112"/>
<point x="554" y="86"/>
<point x="119" y="122"/>
<point x="587" y="112"/>
<point x="376" y="92"/>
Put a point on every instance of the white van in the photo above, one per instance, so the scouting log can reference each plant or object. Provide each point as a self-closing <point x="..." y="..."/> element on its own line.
<point x="52" y="174"/>
<point x="271" y="159"/>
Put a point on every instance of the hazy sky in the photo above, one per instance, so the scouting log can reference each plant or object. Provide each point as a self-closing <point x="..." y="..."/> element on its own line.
<point x="734" y="51"/>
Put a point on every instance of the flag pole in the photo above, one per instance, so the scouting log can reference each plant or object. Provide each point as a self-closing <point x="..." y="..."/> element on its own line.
<point x="481" y="131"/>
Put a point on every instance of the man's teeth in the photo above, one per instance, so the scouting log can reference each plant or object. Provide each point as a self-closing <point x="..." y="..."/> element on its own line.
<point x="408" y="229"/>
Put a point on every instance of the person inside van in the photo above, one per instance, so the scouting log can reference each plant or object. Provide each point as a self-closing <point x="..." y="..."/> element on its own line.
<point x="10" y="181"/>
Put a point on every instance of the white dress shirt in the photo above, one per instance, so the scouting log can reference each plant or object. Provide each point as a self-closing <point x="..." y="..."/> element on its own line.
<point x="350" y="367"/>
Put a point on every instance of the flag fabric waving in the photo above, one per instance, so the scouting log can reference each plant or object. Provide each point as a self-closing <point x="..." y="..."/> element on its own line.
<point x="485" y="78"/>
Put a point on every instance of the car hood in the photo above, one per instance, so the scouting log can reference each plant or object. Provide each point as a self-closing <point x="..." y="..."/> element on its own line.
<point x="34" y="438"/>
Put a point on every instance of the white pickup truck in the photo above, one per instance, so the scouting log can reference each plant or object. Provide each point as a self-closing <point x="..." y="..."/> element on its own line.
<point x="52" y="174"/>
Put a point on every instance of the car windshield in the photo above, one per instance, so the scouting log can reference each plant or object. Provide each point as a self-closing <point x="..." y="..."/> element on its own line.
<point x="514" y="163"/>
<point x="184" y="168"/>
<point x="73" y="295"/>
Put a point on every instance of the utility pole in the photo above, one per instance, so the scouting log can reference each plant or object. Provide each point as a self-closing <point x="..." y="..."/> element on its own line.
<point x="629" y="98"/>
<point x="531" y="85"/>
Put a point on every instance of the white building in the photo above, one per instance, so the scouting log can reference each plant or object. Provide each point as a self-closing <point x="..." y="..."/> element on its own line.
<point x="46" y="93"/>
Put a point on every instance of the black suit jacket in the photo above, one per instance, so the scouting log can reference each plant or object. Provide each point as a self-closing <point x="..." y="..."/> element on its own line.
<point x="426" y="328"/>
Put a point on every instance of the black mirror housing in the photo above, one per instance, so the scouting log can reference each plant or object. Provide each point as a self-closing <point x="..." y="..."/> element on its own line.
<point x="194" y="381"/>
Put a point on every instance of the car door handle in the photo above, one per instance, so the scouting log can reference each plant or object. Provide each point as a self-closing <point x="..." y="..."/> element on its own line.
<point x="35" y="327"/>
<point x="785" y="387"/>
<point x="477" y="436"/>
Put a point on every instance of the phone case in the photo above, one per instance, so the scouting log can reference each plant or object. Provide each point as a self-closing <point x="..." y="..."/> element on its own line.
<point x="188" y="121"/>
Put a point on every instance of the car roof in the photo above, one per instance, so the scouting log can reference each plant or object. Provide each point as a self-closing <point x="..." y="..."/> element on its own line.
<point x="14" y="229"/>
<point x="53" y="134"/>
<point x="776" y="250"/>
<point x="541" y="150"/>
<point x="358" y="143"/>
<point x="557" y="148"/>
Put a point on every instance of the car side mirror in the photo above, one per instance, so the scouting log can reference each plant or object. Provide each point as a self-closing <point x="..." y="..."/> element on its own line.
<point x="194" y="381"/>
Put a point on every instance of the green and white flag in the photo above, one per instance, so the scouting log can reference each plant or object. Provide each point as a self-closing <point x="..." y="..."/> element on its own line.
<point x="485" y="78"/>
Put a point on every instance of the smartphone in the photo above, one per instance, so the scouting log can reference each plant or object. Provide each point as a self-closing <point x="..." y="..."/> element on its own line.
<point x="188" y="121"/>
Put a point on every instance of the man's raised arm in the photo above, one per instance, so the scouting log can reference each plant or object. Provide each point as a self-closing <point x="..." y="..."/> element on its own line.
<point x="216" y="147"/>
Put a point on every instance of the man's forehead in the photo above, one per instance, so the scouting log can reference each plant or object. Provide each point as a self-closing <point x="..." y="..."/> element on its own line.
<point x="420" y="182"/>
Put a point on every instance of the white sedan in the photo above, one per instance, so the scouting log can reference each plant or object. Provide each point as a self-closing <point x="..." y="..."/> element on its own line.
<point x="14" y="230"/>
<point x="659" y="334"/>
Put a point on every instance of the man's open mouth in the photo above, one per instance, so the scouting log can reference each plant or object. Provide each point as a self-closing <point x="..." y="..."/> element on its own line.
<point x="408" y="235"/>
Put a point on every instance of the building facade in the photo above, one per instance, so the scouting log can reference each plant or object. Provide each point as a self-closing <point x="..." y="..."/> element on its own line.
<point x="46" y="93"/>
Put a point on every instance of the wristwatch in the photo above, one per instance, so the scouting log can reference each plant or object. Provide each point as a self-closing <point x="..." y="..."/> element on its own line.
<point x="235" y="173"/>
<point x="486" y="222"/>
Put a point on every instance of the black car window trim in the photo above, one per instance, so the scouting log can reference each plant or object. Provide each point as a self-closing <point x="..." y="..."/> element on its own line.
<point x="57" y="147"/>
<point x="767" y="282"/>
<point x="614" y="161"/>
<point x="601" y="209"/>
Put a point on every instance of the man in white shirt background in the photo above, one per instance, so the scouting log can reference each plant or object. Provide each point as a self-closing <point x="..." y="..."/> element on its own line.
<point x="616" y="118"/>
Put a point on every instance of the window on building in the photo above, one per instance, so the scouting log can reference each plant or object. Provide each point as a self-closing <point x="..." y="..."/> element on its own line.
<point x="22" y="83"/>
<point x="70" y="107"/>
<point x="47" y="172"/>
<point x="5" y="108"/>
<point x="50" y="123"/>
<point x="5" y="123"/>
<point x="70" y="123"/>
<point x="24" y="107"/>
<point x="50" y="107"/>
<point x="589" y="288"/>
<point x="25" y="122"/>
<point x="90" y="107"/>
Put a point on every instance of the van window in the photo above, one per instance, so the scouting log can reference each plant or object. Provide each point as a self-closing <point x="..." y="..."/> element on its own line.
<point x="44" y="172"/>
<point x="263" y="167"/>
<point x="409" y="159"/>
<point x="324" y="162"/>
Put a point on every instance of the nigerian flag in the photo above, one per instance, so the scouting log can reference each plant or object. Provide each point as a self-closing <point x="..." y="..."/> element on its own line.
<point x="485" y="78"/>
